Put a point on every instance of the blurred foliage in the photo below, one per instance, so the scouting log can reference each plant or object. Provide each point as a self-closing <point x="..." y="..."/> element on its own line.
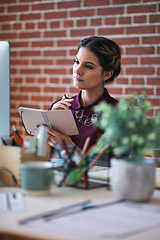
<point x="127" y="129"/>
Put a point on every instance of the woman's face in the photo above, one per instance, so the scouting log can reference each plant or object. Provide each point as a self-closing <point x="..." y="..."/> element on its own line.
<point x="87" y="72"/>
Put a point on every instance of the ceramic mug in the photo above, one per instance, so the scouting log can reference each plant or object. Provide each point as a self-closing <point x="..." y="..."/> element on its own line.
<point x="36" y="177"/>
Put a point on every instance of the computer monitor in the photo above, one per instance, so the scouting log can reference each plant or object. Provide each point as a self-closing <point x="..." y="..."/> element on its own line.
<point x="4" y="89"/>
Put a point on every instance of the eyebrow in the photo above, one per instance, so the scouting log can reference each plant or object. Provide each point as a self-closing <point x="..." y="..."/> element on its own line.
<point x="86" y="62"/>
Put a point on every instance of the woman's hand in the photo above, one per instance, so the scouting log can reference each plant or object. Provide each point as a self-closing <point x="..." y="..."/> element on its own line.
<point x="64" y="103"/>
<point x="55" y="137"/>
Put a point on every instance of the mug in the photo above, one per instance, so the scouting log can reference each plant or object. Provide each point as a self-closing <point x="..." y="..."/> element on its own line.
<point x="36" y="177"/>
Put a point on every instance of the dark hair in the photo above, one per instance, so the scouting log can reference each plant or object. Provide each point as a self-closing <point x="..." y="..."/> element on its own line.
<point x="107" y="51"/>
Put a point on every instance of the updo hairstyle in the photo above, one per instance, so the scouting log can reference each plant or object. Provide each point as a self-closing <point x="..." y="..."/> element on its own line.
<point x="108" y="53"/>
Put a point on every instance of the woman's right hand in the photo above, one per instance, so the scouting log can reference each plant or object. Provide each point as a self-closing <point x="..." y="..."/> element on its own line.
<point x="64" y="103"/>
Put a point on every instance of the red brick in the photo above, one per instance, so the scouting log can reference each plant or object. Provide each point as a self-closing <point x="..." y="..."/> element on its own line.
<point x="42" y="80"/>
<point x="64" y="43"/>
<point x="6" y="36"/>
<point x="30" y="16"/>
<point x="65" y="61"/>
<point x="17" y="26"/>
<point x="42" y="6"/>
<point x="56" y="33"/>
<point x="19" y="44"/>
<point x="55" y="53"/>
<point x="55" y="24"/>
<point x="30" y="25"/>
<point x="124" y="20"/>
<point x="140" y="29"/>
<point x="7" y="18"/>
<point x="140" y="71"/>
<point x="148" y="91"/>
<point x="41" y="98"/>
<point x="153" y="81"/>
<point x="110" y="31"/>
<point x="129" y="60"/>
<point x="82" y="13"/>
<point x="59" y="71"/>
<point x="54" y="80"/>
<point x="29" y="53"/>
<point x="126" y="1"/>
<point x="96" y="21"/>
<point x="42" y="44"/>
<point x="126" y="40"/>
<point x="69" y="4"/>
<point x="158" y="91"/>
<point x="140" y="19"/>
<point x="18" y="62"/>
<point x="8" y="1"/>
<point x="55" y="14"/>
<point x="121" y="80"/>
<point x="82" y="32"/>
<point x="67" y="23"/>
<point x="154" y="18"/>
<point x="29" y="89"/>
<point x="150" y="60"/>
<point x="110" y="21"/>
<point x="41" y="62"/>
<point x="110" y="11"/>
<point x="18" y="8"/>
<point x="67" y="80"/>
<point x="155" y="101"/>
<point x="151" y="40"/>
<point x="2" y="9"/>
<point x="54" y="89"/>
<point x="30" y="80"/>
<point x="137" y="81"/>
<point x="29" y="71"/>
<point x="6" y="27"/>
<point x="32" y="34"/>
<point x="114" y="90"/>
<point x="42" y="25"/>
<point x="141" y="8"/>
<point x="139" y="50"/>
<point x="82" y="22"/>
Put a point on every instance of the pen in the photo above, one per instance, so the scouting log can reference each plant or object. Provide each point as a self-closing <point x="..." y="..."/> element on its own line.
<point x="67" y="98"/>
<point x="54" y="213"/>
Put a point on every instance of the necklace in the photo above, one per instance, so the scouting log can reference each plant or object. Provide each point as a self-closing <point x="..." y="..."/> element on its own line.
<point x="84" y="119"/>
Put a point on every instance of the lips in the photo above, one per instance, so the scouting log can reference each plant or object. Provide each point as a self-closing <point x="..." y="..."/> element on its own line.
<point x="78" y="80"/>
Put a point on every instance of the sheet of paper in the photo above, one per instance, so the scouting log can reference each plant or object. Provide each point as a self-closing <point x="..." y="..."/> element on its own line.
<point x="11" y="201"/>
<point x="114" y="220"/>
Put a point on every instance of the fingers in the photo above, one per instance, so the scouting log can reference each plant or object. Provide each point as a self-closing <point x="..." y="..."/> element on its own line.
<point x="64" y="103"/>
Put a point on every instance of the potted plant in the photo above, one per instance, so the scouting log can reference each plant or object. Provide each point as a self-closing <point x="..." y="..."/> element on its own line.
<point x="131" y="136"/>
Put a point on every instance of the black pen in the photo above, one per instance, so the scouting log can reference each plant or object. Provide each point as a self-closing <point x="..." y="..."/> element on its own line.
<point x="67" y="98"/>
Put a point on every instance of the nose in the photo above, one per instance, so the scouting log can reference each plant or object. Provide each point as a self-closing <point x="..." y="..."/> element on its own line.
<point x="78" y="69"/>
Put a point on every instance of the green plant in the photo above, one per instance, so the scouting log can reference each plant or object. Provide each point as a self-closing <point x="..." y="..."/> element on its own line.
<point x="127" y="129"/>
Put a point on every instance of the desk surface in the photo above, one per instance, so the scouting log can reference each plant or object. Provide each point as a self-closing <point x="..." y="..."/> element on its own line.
<point x="58" y="198"/>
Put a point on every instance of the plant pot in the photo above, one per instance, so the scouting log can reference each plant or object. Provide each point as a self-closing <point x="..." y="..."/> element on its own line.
<point x="133" y="181"/>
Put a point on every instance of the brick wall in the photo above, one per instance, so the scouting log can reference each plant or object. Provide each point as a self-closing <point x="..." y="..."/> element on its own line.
<point x="43" y="37"/>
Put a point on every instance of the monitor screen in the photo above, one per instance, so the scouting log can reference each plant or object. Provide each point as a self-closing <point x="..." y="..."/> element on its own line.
<point x="4" y="89"/>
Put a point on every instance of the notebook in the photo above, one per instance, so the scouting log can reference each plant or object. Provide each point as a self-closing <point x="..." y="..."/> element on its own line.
<point x="60" y="120"/>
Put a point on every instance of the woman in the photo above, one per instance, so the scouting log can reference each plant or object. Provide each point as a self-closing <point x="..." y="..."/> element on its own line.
<point x="98" y="62"/>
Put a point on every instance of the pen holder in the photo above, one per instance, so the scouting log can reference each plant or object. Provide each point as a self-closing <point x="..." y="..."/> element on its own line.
<point x="10" y="159"/>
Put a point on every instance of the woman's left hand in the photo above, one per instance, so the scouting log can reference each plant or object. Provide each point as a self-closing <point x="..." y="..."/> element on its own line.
<point x="55" y="137"/>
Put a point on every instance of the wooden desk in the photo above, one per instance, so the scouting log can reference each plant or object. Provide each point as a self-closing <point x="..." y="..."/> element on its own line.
<point x="60" y="197"/>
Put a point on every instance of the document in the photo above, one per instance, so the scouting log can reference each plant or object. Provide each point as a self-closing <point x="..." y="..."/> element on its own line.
<point x="113" y="220"/>
<point x="60" y="120"/>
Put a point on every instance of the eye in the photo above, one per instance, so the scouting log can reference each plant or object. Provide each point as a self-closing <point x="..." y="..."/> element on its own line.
<point x="76" y="61"/>
<point x="89" y="66"/>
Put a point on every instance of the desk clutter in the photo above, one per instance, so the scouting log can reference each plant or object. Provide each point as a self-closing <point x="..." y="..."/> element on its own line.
<point x="70" y="165"/>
